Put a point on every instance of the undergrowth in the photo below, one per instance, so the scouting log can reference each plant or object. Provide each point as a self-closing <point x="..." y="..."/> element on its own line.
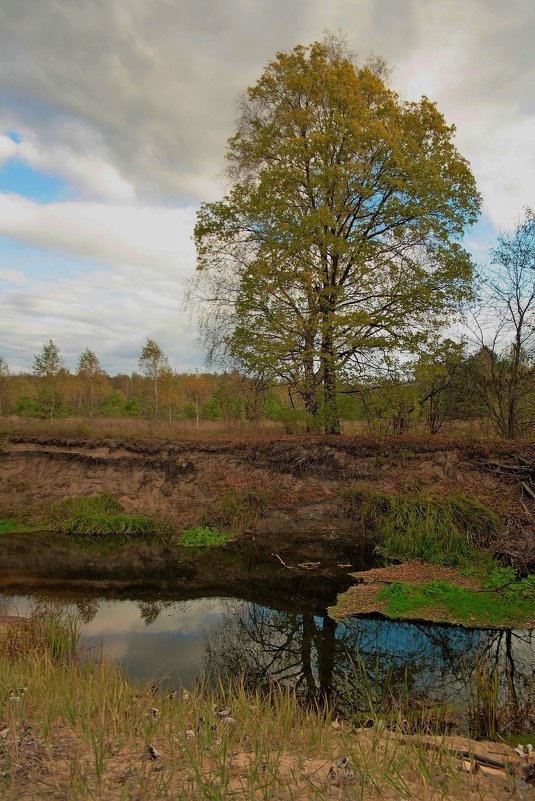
<point x="101" y="517"/>
<point x="98" y="737"/>
<point x="450" y="531"/>
<point x="52" y="634"/>
<point x="203" y="537"/>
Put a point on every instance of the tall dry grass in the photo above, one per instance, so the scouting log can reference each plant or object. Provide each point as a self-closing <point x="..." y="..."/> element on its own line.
<point x="75" y="729"/>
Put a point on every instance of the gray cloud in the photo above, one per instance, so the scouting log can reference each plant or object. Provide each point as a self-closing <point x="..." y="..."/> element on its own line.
<point x="149" y="85"/>
<point x="132" y="102"/>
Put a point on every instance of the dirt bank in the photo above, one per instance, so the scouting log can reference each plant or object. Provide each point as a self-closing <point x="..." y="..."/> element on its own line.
<point x="297" y="481"/>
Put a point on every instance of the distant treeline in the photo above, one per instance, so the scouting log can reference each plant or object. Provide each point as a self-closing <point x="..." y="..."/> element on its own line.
<point x="432" y="392"/>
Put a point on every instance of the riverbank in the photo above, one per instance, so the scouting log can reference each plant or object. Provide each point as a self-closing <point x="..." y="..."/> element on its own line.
<point x="429" y="592"/>
<point x="309" y="507"/>
<point x="76" y="729"/>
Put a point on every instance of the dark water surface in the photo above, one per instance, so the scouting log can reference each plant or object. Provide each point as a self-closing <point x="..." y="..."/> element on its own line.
<point x="180" y="642"/>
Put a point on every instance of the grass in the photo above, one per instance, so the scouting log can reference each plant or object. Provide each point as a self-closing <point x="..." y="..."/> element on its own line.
<point x="11" y="525"/>
<point x="514" y="606"/>
<point x="447" y="531"/>
<point x="80" y="731"/>
<point x="101" y="517"/>
<point x="203" y="537"/>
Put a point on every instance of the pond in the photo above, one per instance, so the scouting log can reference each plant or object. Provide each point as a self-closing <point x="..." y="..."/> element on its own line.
<point x="289" y="641"/>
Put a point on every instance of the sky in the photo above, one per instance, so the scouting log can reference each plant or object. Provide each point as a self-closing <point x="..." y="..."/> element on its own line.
<point x="114" y="116"/>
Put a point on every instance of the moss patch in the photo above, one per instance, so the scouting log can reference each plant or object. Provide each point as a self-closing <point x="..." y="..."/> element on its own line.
<point x="10" y="525"/>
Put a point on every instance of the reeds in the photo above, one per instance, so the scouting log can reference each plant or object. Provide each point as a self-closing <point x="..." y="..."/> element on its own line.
<point x="495" y="708"/>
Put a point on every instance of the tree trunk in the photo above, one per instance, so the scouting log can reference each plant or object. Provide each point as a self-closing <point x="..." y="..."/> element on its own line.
<point x="325" y="645"/>
<point x="331" y="419"/>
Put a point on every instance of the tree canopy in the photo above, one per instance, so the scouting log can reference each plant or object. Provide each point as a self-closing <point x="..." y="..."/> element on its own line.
<point x="338" y="241"/>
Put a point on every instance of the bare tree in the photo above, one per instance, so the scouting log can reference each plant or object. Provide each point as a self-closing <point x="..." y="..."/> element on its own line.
<point x="504" y="326"/>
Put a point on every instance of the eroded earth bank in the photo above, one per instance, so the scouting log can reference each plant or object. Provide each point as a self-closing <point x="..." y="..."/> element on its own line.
<point x="282" y="499"/>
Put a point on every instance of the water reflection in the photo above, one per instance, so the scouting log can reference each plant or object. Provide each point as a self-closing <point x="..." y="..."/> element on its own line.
<point x="317" y="656"/>
<point x="220" y="639"/>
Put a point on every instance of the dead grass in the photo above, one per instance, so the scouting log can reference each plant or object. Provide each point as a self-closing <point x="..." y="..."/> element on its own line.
<point x="130" y="428"/>
<point x="74" y="729"/>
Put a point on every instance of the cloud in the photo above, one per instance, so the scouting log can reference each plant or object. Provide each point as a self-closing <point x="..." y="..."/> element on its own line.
<point x="139" y="259"/>
<point x="150" y="237"/>
<point x="138" y="99"/>
<point x="132" y="104"/>
<point x="8" y="148"/>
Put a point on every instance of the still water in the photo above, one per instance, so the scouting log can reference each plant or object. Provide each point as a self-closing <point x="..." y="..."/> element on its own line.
<point x="178" y="643"/>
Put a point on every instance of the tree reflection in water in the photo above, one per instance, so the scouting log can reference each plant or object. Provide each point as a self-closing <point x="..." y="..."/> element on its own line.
<point x="313" y="654"/>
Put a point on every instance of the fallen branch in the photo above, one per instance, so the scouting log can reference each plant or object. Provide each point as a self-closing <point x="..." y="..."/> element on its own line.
<point x="283" y="563"/>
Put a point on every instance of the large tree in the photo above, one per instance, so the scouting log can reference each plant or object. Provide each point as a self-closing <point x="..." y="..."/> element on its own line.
<point x="338" y="239"/>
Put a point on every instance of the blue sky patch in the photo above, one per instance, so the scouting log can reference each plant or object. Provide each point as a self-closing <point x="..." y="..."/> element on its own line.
<point x="19" y="178"/>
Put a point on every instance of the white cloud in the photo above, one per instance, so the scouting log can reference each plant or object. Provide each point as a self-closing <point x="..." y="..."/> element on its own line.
<point x="506" y="170"/>
<point x="150" y="237"/>
<point x="10" y="276"/>
<point x="8" y="148"/>
<point x="87" y="171"/>
<point x="145" y="256"/>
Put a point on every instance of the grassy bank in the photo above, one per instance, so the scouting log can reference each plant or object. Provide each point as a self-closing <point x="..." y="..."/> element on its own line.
<point x="448" y="572"/>
<point x="75" y="729"/>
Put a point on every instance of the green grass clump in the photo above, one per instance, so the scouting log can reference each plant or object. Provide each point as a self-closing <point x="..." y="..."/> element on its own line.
<point x="512" y="605"/>
<point x="10" y="525"/>
<point x="203" y="537"/>
<point x="101" y="517"/>
<point x="447" y="531"/>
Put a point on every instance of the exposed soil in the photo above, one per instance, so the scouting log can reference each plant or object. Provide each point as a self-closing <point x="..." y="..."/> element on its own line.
<point x="300" y="520"/>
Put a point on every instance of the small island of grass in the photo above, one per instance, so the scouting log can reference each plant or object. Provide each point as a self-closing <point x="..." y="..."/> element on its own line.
<point x="447" y="572"/>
